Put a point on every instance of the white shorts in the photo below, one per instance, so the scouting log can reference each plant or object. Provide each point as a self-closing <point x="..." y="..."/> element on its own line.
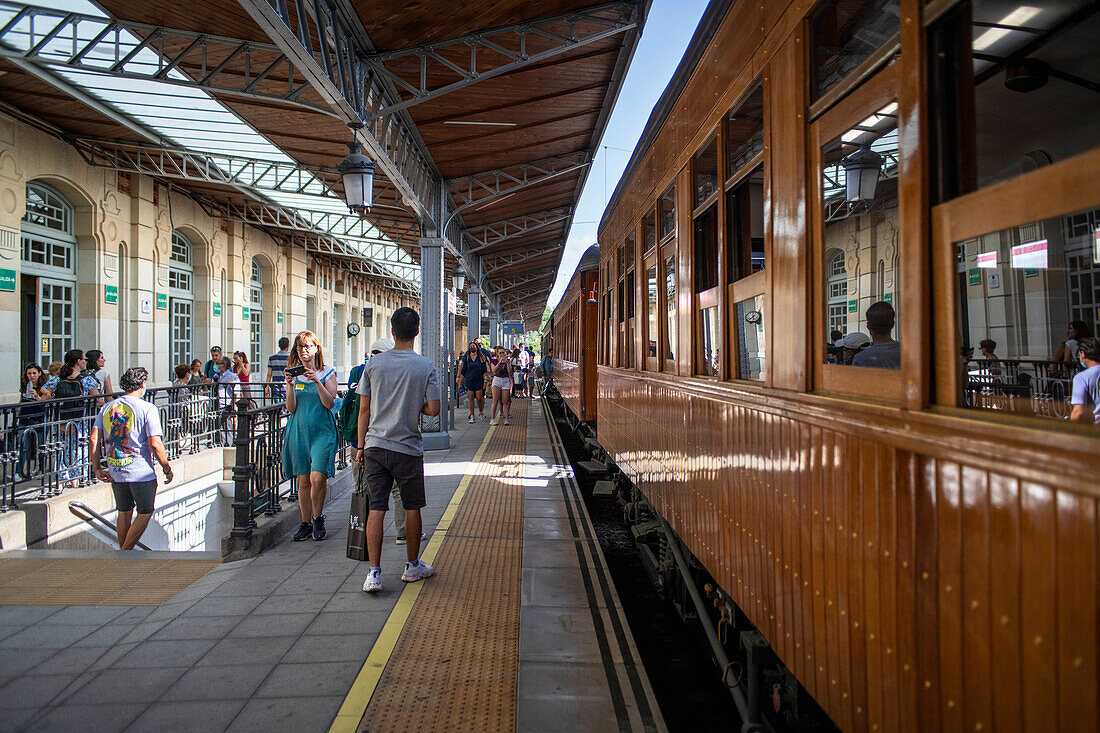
<point x="502" y="382"/>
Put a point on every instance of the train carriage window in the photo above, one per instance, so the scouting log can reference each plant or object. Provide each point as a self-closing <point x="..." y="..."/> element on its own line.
<point x="857" y="242"/>
<point x="705" y="172"/>
<point x="649" y="228"/>
<point x="653" y="330"/>
<point x="626" y="287"/>
<point x="666" y="211"/>
<point x="745" y="256"/>
<point x="708" y="337"/>
<point x="850" y="38"/>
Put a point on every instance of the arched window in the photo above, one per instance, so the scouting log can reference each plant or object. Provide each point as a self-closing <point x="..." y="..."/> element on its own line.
<point x="48" y="270"/>
<point x="837" y="293"/>
<point x="256" y="313"/>
<point x="181" y="297"/>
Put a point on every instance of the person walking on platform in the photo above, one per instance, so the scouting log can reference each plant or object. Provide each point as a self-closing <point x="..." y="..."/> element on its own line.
<point x="310" y="440"/>
<point x="127" y="435"/>
<point x="276" y="365"/>
<point x="502" y="387"/>
<point x="397" y="387"/>
<point x="376" y="348"/>
<point x="471" y="374"/>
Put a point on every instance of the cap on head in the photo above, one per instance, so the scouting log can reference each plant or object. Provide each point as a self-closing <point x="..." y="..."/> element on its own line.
<point x="381" y="345"/>
<point x="854" y="340"/>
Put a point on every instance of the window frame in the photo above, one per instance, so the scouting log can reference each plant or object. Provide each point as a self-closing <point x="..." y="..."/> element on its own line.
<point x="883" y="384"/>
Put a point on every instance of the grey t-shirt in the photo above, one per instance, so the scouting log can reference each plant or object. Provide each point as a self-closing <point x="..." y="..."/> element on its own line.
<point x="126" y="424"/>
<point x="881" y="355"/>
<point x="399" y="383"/>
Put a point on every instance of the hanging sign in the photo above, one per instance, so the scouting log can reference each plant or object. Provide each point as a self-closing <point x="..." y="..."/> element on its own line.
<point x="244" y="312"/>
<point x="162" y="301"/>
<point x="110" y="293"/>
<point x="7" y="281"/>
<point x="512" y="329"/>
<point x="974" y="276"/>
<point x="987" y="260"/>
<point x="217" y="309"/>
<point x="1030" y="254"/>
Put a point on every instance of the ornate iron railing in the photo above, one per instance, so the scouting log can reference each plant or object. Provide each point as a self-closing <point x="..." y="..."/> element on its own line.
<point x="1023" y="386"/>
<point x="44" y="443"/>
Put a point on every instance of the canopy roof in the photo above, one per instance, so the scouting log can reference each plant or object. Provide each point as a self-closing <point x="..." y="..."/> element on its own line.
<point x="482" y="117"/>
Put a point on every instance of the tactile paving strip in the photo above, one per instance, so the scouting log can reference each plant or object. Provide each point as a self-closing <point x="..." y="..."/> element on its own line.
<point x="96" y="581"/>
<point x="456" y="664"/>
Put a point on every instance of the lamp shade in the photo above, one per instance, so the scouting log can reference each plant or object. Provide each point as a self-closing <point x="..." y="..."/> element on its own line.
<point x="459" y="279"/>
<point x="861" y="170"/>
<point x="357" y="171"/>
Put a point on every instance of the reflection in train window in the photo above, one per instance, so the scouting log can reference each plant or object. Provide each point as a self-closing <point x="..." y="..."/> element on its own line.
<point x="745" y="225"/>
<point x="650" y="231"/>
<point x="750" y="338"/>
<point x="745" y="133"/>
<point x="860" y="211"/>
<point x="846" y="34"/>
<point x="667" y="206"/>
<point x="1027" y="296"/>
<point x="705" y="171"/>
<point x="652" y="329"/>
<point x="669" y="253"/>
<point x="1015" y="88"/>
<point x="710" y="341"/>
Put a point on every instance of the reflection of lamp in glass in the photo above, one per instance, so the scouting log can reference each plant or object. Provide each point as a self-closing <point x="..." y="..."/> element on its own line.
<point x="861" y="170"/>
<point x="592" y="293"/>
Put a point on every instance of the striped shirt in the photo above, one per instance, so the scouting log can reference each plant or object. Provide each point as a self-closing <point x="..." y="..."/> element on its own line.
<point x="277" y="363"/>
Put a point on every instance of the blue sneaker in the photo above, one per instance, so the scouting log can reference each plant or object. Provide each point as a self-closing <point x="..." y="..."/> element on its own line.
<point x="305" y="531"/>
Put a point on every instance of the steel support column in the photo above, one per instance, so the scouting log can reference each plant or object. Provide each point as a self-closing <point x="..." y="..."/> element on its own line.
<point x="473" y="310"/>
<point x="494" y="325"/>
<point x="433" y="308"/>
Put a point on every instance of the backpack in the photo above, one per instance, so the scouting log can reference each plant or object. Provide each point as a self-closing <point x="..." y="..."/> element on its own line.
<point x="347" y="421"/>
<point x="69" y="388"/>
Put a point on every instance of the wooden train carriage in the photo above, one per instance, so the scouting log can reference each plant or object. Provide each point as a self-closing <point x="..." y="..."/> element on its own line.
<point x="913" y="529"/>
<point x="575" y="324"/>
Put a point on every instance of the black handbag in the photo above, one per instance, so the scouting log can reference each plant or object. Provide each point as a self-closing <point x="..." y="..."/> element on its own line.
<point x="357" y="521"/>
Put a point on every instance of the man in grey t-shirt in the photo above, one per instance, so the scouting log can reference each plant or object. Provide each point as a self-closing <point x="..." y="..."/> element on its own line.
<point x="404" y="386"/>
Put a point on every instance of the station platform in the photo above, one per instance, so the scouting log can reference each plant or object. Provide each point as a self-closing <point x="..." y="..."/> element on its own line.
<point x="519" y="630"/>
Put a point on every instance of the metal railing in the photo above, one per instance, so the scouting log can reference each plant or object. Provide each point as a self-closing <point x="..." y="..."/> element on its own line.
<point x="1021" y="386"/>
<point x="260" y="485"/>
<point x="44" y="443"/>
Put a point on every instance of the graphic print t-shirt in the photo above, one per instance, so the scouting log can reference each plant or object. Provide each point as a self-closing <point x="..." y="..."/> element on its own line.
<point x="126" y="425"/>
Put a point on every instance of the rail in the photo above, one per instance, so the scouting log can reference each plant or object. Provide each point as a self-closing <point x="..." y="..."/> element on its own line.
<point x="44" y="443"/>
<point x="259" y="484"/>
<point x="1021" y="386"/>
<point x="91" y="516"/>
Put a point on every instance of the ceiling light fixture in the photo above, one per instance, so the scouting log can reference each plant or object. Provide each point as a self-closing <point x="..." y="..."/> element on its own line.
<point x="1017" y="17"/>
<point x="357" y="171"/>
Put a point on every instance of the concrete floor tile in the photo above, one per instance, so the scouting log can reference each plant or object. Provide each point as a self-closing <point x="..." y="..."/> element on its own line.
<point x="125" y="685"/>
<point x="265" y="572"/>
<point x="182" y="717"/>
<point x="287" y="714"/>
<point x="144" y="630"/>
<point x="216" y="682"/>
<point x="19" y="661"/>
<point x="153" y="653"/>
<point x="547" y="528"/>
<point x="87" y="615"/>
<point x="251" y="588"/>
<point x="105" y="635"/>
<point x="565" y="713"/>
<point x="314" y="584"/>
<point x="198" y="627"/>
<point x="103" y="718"/>
<point x="224" y="605"/>
<point x="260" y="650"/>
<point x="289" y="624"/>
<point x="74" y="660"/>
<point x="297" y="603"/>
<point x="557" y="635"/>
<point x="338" y="623"/>
<point x="352" y="647"/>
<point x="132" y="616"/>
<point x="356" y="601"/>
<point x="554" y="679"/>
<point x="26" y="615"/>
<point x="543" y="493"/>
<point x="551" y="554"/>
<point x="36" y="690"/>
<point x="545" y="508"/>
<point x="46" y="636"/>
<point x="306" y="679"/>
<point x="551" y="587"/>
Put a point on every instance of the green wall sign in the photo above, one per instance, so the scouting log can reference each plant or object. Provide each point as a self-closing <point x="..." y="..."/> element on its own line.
<point x="974" y="276"/>
<point x="279" y="317"/>
<point x="244" y="311"/>
<point x="7" y="281"/>
<point x="162" y="301"/>
<point x="1031" y="272"/>
<point x="217" y="309"/>
<point x="853" y="306"/>
<point x="110" y="293"/>
<point x="889" y="298"/>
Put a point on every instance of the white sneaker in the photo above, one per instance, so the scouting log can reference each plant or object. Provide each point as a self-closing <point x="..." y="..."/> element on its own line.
<point x="373" y="583"/>
<point x="492" y="421"/>
<point x="507" y="421"/>
<point x="472" y="419"/>
<point x="417" y="572"/>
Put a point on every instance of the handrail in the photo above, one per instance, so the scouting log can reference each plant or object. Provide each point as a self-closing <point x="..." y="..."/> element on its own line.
<point x="76" y="507"/>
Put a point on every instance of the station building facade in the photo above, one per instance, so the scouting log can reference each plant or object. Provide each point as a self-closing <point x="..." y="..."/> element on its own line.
<point x="92" y="258"/>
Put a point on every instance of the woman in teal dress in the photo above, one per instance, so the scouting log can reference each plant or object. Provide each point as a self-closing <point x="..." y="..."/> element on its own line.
<point x="309" y="442"/>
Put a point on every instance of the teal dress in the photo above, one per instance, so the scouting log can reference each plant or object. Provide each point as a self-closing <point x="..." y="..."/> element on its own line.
<point x="309" y="441"/>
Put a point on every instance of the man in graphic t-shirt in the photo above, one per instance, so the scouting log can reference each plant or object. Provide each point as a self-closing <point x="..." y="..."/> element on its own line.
<point x="127" y="437"/>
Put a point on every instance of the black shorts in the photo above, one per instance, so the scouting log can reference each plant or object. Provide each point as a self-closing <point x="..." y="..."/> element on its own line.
<point x="135" y="493"/>
<point x="383" y="468"/>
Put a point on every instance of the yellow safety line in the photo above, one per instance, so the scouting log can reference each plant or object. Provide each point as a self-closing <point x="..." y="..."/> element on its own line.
<point x="359" y="696"/>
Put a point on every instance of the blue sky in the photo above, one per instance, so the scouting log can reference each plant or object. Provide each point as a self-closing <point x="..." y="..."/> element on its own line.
<point x="664" y="39"/>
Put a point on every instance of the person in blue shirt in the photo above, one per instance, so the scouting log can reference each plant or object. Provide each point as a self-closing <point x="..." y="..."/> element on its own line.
<point x="1086" y="384"/>
<point x="472" y="368"/>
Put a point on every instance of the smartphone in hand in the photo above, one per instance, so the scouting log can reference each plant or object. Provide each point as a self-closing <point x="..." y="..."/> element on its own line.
<point x="295" y="371"/>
